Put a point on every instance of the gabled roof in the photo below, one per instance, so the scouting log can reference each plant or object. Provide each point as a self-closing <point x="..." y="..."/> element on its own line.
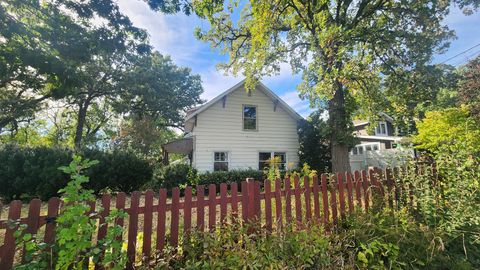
<point x="387" y="117"/>
<point x="260" y="86"/>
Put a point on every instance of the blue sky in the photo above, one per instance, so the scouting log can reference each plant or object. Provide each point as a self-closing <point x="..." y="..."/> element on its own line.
<point x="173" y="35"/>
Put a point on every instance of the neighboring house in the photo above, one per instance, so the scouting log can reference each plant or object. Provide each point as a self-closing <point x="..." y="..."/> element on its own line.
<point x="239" y="130"/>
<point x="374" y="150"/>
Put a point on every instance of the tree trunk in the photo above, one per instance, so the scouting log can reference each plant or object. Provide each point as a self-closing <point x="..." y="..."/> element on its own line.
<point x="81" y="118"/>
<point x="338" y="130"/>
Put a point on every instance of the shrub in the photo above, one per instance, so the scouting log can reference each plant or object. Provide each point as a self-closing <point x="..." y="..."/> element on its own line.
<point x="28" y="172"/>
<point x="174" y="175"/>
<point x="233" y="247"/>
<point x="234" y="176"/>
<point x="448" y="130"/>
<point x="73" y="244"/>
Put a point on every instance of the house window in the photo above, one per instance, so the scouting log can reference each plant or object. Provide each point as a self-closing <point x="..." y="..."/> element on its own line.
<point x="381" y="129"/>
<point x="249" y="117"/>
<point x="361" y="148"/>
<point x="220" y="161"/>
<point x="265" y="157"/>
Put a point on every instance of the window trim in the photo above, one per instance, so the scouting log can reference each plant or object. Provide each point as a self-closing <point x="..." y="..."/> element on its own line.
<point x="364" y="149"/>
<point x="272" y="154"/>
<point x="243" y="117"/>
<point x="213" y="159"/>
<point x="378" y="128"/>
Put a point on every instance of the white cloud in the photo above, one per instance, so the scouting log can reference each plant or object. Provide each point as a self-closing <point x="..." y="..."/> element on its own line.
<point x="214" y="83"/>
<point x="294" y="101"/>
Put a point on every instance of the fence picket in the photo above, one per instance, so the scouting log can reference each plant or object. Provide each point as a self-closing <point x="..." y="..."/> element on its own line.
<point x="308" y="206"/>
<point x="333" y="200"/>
<point x="161" y="219"/>
<point x="52" y="213"/>
<point x="132" y="229"/>
<point x="278" y="203"/>
<point x="212" y="206"/>
<point x="32" y="219"/>
<point x="147" y="224"/>
<point x="358" y="188"/>
<point x="341" y="194"/>
<point x="103" y="225"/>
<point x="326" y="211"/>
<point x="223" y="202"/>
<point x="316" y="199"/>
<point x="389" y="183"/>
<point x="174" y="222"/>
<point x="244" y="186"/>
<point x="288" y="201"/>
<point x="8" y="250"/>
<point x="234" y="203"/>
<point x="350" y="192"/>
<point x="187" y="210"/>
<point x="120" y="205"/>
<point x="268" y="204"/>
<point x="258" y="207"/>
<point x="366" y="190"/>
<point x="251" y="199"/>
<point x="298" y="201"/>
<point x="200" y="208"/>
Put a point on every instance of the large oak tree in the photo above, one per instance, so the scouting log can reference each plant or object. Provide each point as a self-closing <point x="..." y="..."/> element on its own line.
<point x="342" y="48"/>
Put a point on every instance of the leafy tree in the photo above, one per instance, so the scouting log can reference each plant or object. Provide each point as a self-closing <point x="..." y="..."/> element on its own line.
<point x="143" y="136"/>
<point x="410" y="93"/>
<point x="340" y="47"/>
<point x="37" y="44"/>
<point x="448" y="131"/>
<point x="469" y="87"/>
<point x="315" y="142"/>
<point x="161" y="90"/>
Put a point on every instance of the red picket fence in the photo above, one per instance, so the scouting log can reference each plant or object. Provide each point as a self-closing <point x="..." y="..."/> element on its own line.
<point x="162" y="217"/>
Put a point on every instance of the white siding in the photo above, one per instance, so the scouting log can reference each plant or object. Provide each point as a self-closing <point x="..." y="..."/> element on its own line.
<point x="221" y="129"/>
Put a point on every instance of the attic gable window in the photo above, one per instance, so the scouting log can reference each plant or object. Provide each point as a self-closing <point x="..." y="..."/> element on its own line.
<point x="381" y="129"/>
<point x="249" y="117"/>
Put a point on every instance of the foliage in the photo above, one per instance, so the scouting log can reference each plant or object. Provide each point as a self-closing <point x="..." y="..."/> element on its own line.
<point x="396" y="240"/>
<point x="233" y="247"/>
<point x="144" y="137"/>
<point x="341" y="48"/>
<point x="181" y="175"/>
<point x="469" y="87"/>
<point x="272" y="172"/>
<point x="233" y="176"/>
<point x="90" y="61"/>
<point x="75" y="227"/>
<point x="410" y="94"/>
<point x="31" y="172"/>
<point x="315" y="143"/>
<point x="449" y="130"/>
<point x="174" y="175"/>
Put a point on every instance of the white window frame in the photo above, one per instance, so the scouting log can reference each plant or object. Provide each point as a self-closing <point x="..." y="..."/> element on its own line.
<point x="243" y="117"/>
<point x="227" y="161"/>
<point x="363" y="148"/>
<point x="272" y="154"/>
<point x="378" y="128"/>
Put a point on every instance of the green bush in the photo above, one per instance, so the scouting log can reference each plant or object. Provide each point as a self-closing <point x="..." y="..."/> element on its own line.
<point x="181" y="175"/>
<point x="233" y="247"/>
<point x="31" y="172"/>
<point x="174" y="175"/>
<point x="73" y="246"/>
<point x="234" y="176"/>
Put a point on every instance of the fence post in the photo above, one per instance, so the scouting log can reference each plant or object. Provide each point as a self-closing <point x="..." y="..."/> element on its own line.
<point x="8" y="250"/>
<point x="251" y="199"/>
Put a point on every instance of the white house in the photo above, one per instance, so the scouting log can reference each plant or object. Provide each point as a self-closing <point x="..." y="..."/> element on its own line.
<point x="239" y="130"/>
<point x="379" y="149"/>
